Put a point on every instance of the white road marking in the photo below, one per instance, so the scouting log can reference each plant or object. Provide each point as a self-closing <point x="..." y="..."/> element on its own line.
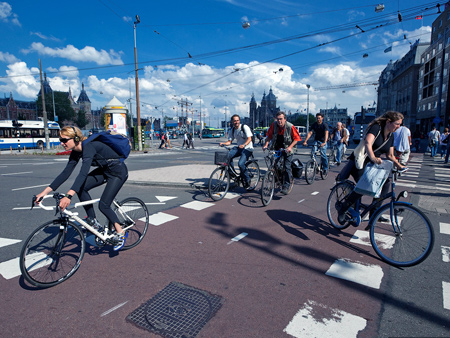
<point x="197" y="205"/>
<point x="165" y="198"/>
<point x="23" y="172"/>
<point x="406" y="181"/>
<point x="442" y="175"/>
<point x="306" y="323"/>
<point x="444" y="228"/>
<point x="231" y="195"/>
<point x="301" y="201"/>
<point x="10" y="269"/>
<point x="401" y="184"/>
<point x="361" y="237"/>
<point x="445" y="253"/>
<point x="446" y="295"/>
<point x="314" y="193"/>
<point x="160" y="218"/>
<point x="237" y="238"/>
<point x="113" y="309"/>
<point x="36" y="186"/>
<point x="8" y="241"/>
<point x="154" y="203"/>
<point x="357" y="272"/>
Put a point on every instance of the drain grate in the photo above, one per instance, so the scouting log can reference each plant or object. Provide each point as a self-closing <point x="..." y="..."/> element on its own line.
<point x="177" y="311"/>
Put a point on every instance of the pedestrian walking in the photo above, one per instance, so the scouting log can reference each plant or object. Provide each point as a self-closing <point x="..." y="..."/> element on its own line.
<point x="163" y="141"/>
<point x="191" y="140"/>
<point x="433" y="140"/>
<point x="402" y="144"/>
<point x="443" y="142"/>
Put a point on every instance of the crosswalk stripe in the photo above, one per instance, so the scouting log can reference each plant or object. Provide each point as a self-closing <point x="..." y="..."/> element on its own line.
<point x="8" y="241"/>
<point x="357" y="272"/>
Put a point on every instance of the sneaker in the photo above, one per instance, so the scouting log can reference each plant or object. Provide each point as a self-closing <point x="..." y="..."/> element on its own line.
<point x="338" y="163"/>
<point x="285" y="191"/>
<point x="120" y="240"/>
<point x="383" y="219"/>
<point x="94" y="223"/>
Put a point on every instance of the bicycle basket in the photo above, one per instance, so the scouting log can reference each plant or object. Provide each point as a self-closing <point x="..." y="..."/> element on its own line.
<point x="220" y="157"/>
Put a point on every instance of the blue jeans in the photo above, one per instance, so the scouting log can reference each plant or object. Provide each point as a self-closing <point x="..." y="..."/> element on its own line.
<point x="244" y="155"/>
<point x="339" y="148"/>
<point x="323" y="153"/>
<point x="434" y="150"/>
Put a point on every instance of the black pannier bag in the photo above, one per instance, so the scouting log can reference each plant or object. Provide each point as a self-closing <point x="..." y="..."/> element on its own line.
<point x="297" y="168"/>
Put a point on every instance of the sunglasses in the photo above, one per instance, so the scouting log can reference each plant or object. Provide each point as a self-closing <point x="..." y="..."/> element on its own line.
<point x="64" y="140"/>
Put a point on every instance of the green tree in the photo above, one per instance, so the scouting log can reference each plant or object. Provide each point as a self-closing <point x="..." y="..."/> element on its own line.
<point x="81" y="119"/>
<point x="63" y="108"/>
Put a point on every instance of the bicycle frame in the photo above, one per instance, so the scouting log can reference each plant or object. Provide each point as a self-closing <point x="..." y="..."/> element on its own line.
<point x="390" y="195"/>
<point x="272" y="160"/>
<point x="74" y="215"/>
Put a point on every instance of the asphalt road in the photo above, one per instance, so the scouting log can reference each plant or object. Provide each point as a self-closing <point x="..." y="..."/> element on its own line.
<point x="280" y="271"/>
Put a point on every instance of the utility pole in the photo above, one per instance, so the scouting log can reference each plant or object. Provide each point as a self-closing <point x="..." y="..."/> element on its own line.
<point x="307" y="110"/>
<point x="44" y="112"/>
<point x="138" y="110"/>
<point x="185" y="104"/>
<point x="363" y="117"/>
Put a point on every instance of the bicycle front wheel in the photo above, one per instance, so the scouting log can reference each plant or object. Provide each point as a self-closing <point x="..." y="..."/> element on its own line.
<point x="310" y="172"/>
<point x="52" y="253"/>
<point x="267" y="187"/>
<point x="408" y="241"/>
<point x="254" y="173"/>
<point x="323" y="173"/>
<point x="219" y="183"/>
<point x="133" y="211"/>
<point x="337" y="195"/>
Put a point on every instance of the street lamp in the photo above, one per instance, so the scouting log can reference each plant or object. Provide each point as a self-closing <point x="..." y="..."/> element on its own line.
<point x="307" y="110"/>
<point x="138" y="110"/>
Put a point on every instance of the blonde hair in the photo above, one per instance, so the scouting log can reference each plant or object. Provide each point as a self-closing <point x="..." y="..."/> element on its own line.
<point x="71" y="132"/>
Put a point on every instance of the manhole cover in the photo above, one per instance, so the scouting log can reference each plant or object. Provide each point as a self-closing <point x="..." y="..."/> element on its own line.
<point x="177" y="311"/>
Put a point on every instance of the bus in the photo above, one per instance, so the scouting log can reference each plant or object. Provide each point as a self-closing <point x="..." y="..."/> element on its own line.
<point x="357" y="123"/>
<point x="27" y="133"/>
<point x="212" y="132"/>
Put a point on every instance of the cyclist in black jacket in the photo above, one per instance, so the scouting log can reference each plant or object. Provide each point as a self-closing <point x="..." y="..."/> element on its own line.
<point x="110" y="169"/>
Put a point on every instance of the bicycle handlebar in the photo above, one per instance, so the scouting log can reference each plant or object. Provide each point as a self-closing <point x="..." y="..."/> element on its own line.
<point x="57" y="196"/>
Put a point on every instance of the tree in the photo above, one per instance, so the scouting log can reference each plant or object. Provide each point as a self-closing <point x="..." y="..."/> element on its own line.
<point x="63" y="107"/>
<point x="81" y="119"/>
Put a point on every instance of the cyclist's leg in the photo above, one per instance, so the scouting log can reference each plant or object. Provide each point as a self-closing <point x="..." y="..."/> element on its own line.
<point x="287" y="169"/>
<point x="94" y="179"/>
<point x="242" y="160"/>
<point x="323" y="156"/>
<point x="116" y="176"/>
<point x="339" y="147"/>
<point x="234" y="152"/>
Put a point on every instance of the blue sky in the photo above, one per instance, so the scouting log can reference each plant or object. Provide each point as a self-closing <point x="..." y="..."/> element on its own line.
<point x="199" y="48"/>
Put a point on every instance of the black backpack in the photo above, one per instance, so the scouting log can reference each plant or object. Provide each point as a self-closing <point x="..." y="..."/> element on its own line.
<point x="243" y="130"/>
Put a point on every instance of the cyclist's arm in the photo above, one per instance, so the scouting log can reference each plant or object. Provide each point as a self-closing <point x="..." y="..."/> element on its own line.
<point x="268" y="136"/>
<point x="326" y="138"/>
<point x="307" y="138"/>
<point x="295" y="139"/>
<point x="391" y="157"/>
<point x="368" y="142"/>
<point x="225" y="143"/>
<point x="249" y="139"/>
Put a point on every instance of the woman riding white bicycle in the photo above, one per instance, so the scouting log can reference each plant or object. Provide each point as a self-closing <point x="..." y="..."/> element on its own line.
<point x="110" y="169"/>
<point x="379" y="139"/>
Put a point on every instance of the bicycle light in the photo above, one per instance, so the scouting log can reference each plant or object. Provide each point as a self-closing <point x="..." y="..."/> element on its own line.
<point x="403" y="194"/>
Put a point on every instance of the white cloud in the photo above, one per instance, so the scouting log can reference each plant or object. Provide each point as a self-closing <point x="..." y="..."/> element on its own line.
<point x="21" y="81"/>
<point x="44" y="37"/>
<point x="7" y="15"/>
<point x="87" y="54"/>
<point x="9" y="58"/>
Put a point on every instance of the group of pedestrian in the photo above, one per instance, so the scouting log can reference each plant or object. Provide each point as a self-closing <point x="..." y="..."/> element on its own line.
<point x="165" y="141"/>
<point x="439" y="142"/>
<point x="188" y="140"/>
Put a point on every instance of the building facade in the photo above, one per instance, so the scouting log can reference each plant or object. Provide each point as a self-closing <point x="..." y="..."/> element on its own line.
<point x="334" y="115"/>
<point x="398" y="85"/>
<point x="263" y="115"/>
<point x="433" y="95"/>
<point x="11" y="109"/>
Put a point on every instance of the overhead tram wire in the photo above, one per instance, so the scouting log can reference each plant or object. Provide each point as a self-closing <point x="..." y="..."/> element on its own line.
<point x="237" y="49"/>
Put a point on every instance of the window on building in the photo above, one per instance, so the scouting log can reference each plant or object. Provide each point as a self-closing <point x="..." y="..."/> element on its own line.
<point x="439" y="46"/>
<point x="420" y="97"/>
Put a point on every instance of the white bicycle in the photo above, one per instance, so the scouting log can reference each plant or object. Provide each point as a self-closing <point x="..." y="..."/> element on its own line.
<point x="54" y="251"/>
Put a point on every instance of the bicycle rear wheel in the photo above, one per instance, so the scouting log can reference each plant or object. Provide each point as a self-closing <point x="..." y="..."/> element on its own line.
<point x="52" y="253"/>
<point x="254" y="173"/>
<point x="411" y="244"/>
<point x="267" y="187"/>
<point x="133" y="211"/>
<point x="310" y="172"/>
<point x="219" y="183"/>
<point x="337" y="195"/>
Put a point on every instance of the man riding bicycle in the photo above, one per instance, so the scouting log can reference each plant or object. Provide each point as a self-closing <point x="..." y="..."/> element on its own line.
<point x="286" y="137"/>
<point x="320" y="129"/>
<point x="243" y="135"/>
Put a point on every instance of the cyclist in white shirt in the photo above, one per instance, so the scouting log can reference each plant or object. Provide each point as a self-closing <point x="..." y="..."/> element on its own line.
<point x="244" y="148"/>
